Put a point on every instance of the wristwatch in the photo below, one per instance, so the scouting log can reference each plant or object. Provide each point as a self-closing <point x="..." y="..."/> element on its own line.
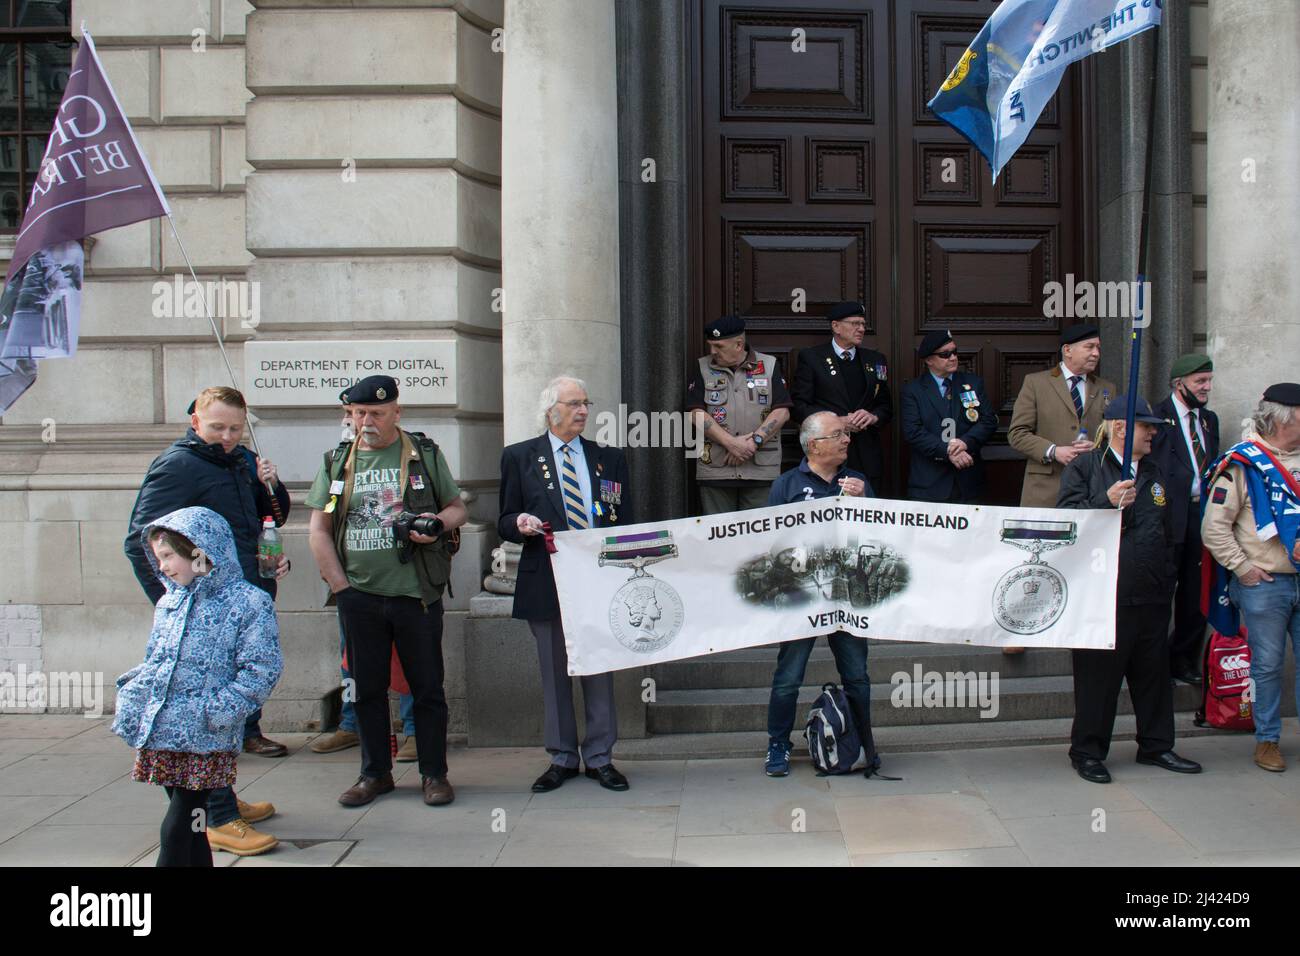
<point x="758" y="439"/>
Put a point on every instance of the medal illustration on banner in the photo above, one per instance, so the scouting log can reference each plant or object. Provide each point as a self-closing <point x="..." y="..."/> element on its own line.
<point x="1032" y="597"/>
<point x="645" y="614"/>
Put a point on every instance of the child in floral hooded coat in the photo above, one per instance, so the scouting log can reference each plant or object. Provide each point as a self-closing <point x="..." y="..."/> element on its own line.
<point x="212" y="659"/>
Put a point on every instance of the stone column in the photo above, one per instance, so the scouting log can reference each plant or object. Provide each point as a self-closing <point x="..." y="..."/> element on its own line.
<point x="559" y="205"/>
<point x="560" y="272"/>
<point x="1122" y="107"/>
<point x="1253" y="270"/>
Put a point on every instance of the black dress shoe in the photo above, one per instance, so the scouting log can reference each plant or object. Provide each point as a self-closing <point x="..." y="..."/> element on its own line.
<point x="1185" y="674"/>
<point x="1092" y="770"/>
<point x="609" y="778"/>
<point x="1170" y="761"/>
<point x="554" y="776"/>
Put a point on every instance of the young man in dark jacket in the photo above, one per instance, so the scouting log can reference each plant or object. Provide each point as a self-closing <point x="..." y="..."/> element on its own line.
<point x="1145" y="581"/>
<point x="209" y="468"/>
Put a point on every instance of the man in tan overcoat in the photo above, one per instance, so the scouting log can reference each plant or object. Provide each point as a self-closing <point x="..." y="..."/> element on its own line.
<point x="1057" y="414"/>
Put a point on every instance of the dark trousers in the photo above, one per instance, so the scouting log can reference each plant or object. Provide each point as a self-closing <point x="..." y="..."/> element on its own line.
<point x="560" y="728"/>
<point x="1141" y="657"/>
<point x="1188" y="638"/>
<point x="372" y="625"/>
<point x="184" y="836"/>
<point x="792" y="662"/>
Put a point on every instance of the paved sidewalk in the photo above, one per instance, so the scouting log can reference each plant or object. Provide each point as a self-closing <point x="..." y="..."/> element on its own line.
<point x="66" y="799"/>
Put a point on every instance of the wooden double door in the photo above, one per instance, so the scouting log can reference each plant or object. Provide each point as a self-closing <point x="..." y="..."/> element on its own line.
<point x="820" y="177"/>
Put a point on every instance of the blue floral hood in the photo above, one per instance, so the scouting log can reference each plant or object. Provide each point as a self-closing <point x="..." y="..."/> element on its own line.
<point x="214" y="540"/>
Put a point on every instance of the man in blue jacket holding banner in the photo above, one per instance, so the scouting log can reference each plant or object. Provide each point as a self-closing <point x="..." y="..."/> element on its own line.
<point x="1250" y="521"/>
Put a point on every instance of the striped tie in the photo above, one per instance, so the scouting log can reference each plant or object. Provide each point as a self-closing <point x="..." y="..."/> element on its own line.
<point x="1197" y="448"/>
<point x="574" y="510"/>
<point x="1074" y="394"/>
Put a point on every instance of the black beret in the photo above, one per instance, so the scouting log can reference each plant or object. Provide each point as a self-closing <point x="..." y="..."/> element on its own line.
<point x="343" y="397"/>
<point x="1284" y="393"/>
<point x="190" y="410"/>
<point x="845" y="310"/>
<point x="725" y="327"/>
<point x="1077" y="333"/>
<point x="371" y="390"/>
<point x="932" y="342"/>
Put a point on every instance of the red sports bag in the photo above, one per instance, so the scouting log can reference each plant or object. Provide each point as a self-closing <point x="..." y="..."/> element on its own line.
<point x="1226" y="676"/>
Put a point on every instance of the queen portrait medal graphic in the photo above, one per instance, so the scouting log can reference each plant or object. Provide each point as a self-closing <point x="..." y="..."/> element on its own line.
<point x="1032" y="597"/>
<point x="645" y="614"/>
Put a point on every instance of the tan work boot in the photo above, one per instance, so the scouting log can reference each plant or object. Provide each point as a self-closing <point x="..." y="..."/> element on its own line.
<point x="1269" y="756"/>
<point x="407" y="752"/>
<point x="339" y="740"/>
<point x="255" y="812"/>
<point x="239" y="838"/>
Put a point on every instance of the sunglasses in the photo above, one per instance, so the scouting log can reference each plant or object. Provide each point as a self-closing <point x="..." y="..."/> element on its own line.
<point x="945" y="354"/>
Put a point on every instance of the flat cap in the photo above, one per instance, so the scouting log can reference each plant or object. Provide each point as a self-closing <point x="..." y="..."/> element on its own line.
<point x="371" y="390"/>
<point x="1190" y="364"/>
<point x="845" y="310"/>
<point x="1117" y="408"/>
<point x="1077" y="333"/>
<point x="1284" y="393"/>
<point x="932" y="342"/>
<point x="724" y="328"/>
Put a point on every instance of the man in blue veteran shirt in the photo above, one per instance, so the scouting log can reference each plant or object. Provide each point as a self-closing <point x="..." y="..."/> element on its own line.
<point x="821" y="474"/>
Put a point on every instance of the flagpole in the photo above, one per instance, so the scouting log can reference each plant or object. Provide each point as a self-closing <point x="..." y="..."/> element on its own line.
<point x="1141" y="304"/>
<point x="225" y="357"/>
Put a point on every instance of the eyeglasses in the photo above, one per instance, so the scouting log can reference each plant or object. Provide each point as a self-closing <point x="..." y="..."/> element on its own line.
<point x="833" y="436"/>
<point x="946" y="354"/>
<point x="585" y="403"/>
<point x="853" y="325"/>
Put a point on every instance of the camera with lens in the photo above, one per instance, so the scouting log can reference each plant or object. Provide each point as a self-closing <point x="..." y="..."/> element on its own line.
<point x="408" y="521"/>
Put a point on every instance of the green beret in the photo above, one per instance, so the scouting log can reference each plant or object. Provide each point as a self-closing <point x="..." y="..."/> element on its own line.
<point x="1190" y="365"/>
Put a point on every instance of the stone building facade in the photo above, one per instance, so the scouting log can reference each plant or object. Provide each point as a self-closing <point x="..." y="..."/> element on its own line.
<point x="471" y="172"/>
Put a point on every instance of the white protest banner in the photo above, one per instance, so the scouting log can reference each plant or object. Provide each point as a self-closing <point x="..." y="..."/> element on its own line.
<point x="894" y="570"/>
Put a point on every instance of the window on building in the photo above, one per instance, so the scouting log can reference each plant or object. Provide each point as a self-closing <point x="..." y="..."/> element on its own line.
<point x="36" y="52"/>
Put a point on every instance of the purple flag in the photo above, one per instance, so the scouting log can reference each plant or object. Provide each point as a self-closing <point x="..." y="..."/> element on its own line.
<point x="94" y="175"/>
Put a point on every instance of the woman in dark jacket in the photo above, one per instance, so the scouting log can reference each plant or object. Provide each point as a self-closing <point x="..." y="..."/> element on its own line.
<point x="1144" y="587"/>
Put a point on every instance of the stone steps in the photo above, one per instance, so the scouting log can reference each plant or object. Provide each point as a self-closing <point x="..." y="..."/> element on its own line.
<point x="717" y="705"/>
<point x="902" y="739"/>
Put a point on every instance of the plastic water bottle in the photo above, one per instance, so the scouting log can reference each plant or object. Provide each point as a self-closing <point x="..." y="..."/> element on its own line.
<point x="1083" y="434"/>
<point x="269" y="548"/>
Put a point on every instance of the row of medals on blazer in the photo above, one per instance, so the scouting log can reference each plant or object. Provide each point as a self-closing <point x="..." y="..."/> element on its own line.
<point x="615" y="497"/>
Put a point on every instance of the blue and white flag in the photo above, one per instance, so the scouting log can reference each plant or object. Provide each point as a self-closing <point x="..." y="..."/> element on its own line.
<point x="995" y="93"/>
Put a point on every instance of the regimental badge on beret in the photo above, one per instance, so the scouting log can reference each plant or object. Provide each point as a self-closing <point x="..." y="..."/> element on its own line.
<point x="380" y="393"/>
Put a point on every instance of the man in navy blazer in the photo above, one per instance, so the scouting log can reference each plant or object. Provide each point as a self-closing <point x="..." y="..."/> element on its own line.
<point x="845" y="377"/>
<point x="571" y="483"/>
<point x="1184" y="447"/>
<point x="946" y="419"/>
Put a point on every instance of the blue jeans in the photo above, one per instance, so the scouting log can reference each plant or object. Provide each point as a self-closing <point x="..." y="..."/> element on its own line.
<point x="1271" y="612"/>
<point x="791" y="663"/>
<point x="348" y="715"/>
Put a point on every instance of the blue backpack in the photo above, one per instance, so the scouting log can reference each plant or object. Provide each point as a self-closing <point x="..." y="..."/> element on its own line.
<point x="833" y="741"/>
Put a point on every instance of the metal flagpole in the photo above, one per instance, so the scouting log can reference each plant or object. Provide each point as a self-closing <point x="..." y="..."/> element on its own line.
<point x="1140" y="311"/>
<point x="207" y="309"/>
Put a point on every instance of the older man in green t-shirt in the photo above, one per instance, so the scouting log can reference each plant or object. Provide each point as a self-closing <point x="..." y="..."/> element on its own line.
<point x="387" y="576"/>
